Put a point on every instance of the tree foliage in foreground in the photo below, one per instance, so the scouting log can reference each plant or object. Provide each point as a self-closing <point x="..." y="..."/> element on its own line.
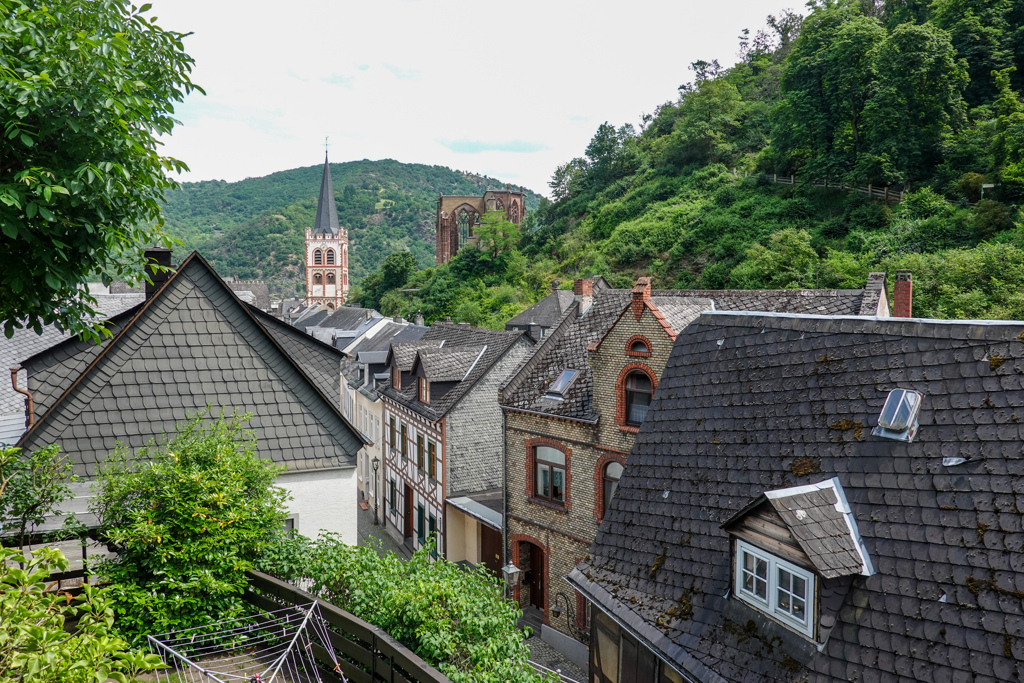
<point x="457" y="621"/>
<point x="86" y="87"/>
<point x="186" y="519"/>
<point x="46" y="636"/>
<point x="33" y="486"/>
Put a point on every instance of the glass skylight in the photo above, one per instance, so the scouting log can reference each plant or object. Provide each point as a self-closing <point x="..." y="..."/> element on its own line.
<point x="898" y="419"/>
<point x="559" y="386"/>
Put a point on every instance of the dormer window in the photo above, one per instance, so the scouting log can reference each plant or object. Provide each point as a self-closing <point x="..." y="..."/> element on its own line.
<point x="396" y="378"/>
<point x="774" y="586"/>
<point x="424" y="390"/>
<point x="561" y="385"/>
<point x="898" y="419"/>
<point x="639" y="390"/>
<point x="638" y="346"/>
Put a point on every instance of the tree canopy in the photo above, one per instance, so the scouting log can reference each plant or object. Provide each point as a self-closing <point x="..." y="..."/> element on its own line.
<point x="86" y="88"/>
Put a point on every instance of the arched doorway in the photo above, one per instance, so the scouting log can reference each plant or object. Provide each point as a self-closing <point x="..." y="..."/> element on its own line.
<point x="534" y="583"/>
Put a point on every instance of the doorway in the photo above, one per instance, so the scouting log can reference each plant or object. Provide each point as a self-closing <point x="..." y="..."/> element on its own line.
<point x="536" y="579"/>
<point x="408" y="511"/>
<point x="490" y="549"/>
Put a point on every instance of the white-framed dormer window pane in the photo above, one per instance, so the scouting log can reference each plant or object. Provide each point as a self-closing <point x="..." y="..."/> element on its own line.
<point x="777" y="587"/>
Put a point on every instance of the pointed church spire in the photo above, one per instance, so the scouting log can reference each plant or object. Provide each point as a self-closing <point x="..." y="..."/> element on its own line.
<point x="326" y="209"/>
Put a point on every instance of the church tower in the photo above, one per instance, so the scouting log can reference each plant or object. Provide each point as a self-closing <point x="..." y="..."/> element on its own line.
<point x="326" y="251"/>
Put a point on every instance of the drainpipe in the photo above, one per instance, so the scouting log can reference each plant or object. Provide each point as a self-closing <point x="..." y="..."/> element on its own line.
<point x="31" y="405"/>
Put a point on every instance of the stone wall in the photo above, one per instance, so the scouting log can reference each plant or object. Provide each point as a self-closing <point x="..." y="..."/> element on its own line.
<point x="474" y="440"/>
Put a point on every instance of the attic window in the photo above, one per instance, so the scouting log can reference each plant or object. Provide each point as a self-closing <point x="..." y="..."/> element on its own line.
<point x="776" y="587"/>
<point x="561" y="385"/>
<point x="898" y="419"/>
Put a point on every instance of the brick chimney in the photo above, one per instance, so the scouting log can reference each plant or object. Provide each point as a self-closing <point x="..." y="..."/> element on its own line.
<point x="555" y="283"/>
<point x="641" y="294"/>
<point x="583" y="287"/>
<point x="903" y="296"/>
<point x="158" y="256"/>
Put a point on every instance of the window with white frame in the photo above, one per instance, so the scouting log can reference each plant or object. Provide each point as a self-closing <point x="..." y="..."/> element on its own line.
<point x="776" y="587"/>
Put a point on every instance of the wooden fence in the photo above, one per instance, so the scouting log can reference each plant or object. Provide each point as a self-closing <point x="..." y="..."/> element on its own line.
<point x="367" y="654"/>
<point x="884" y="193"/>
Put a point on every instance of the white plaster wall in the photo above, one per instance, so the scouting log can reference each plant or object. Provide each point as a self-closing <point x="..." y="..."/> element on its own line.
<point x="323" y="500"/>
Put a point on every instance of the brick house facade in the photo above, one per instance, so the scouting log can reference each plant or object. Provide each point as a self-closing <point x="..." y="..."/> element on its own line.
<point x="619" y="342"/>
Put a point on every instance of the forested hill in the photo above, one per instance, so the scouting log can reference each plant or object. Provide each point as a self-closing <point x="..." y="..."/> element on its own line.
<point x="254" y="228"/>
<point x="920" y="96"/>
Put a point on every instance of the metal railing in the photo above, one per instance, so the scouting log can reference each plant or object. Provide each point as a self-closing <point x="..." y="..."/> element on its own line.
<point x="366" y="653"/>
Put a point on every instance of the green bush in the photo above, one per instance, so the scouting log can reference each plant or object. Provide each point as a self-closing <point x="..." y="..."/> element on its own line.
<point x="456" y="620"/>
<point x="186" y="519"/>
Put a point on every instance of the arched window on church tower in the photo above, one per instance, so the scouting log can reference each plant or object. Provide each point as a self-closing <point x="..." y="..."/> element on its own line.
<point x="513" y="213"/>
<point x="330" y="276"/>
<point x="318" y="279"/>
<point x="318" y="258"/>
<point x="330" y="257"/>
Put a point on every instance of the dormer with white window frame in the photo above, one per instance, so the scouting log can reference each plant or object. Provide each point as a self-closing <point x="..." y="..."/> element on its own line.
<point x="786" y="543"/>
<point x="423" y="390"/>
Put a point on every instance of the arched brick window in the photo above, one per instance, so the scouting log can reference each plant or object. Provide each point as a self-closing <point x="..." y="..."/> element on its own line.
<point x="638" y="345"/>
<point x="634" y="392"/>
<point x="318" y="257"/>
<point x="330" y="276"/>
<point x="549" y="473"/>
<point x="606" y="481"/>
<point x="318" y="279"/>
<point x="330" y="257"/>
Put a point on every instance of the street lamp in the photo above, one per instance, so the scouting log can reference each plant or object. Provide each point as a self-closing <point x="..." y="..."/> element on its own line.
<point x="376" y="491"/>
<point x="511" y="573"/>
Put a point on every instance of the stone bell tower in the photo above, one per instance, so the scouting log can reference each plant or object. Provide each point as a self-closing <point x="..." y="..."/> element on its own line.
<point x="326" y="251"/>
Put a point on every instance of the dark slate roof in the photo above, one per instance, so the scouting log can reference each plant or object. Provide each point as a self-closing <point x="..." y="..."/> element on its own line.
<point x="195" y="344"/>
<point x="382" y="340"/>
<point x="326" y="210"/>
<point x="566" y="348"/>
<point x="346" y="318"/>
<point x="546" y="312"/>
<point x="815" y="301"/>
<point x="751" y="403"/>
<point x="260" y="292"/>
<point x="312" y="317"/>
<point x="447" y="364"/>
<point x="497" y="343"/>
<point x="26" y="343"/>
<point x="822" y="524"/>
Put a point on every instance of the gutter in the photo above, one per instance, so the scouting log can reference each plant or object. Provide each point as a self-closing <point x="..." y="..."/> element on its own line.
<point x="28" y="394"/>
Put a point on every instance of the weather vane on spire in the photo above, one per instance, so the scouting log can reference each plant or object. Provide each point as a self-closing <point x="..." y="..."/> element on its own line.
<point x="326" y="144"/>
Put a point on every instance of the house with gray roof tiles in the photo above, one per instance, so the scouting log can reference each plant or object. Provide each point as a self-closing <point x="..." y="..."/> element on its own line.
<point x="819" y="499"/>
<point x="191" y="345"/>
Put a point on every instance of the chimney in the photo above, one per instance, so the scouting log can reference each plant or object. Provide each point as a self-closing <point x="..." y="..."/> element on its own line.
<point x="399" y="319"/>
<point x="555" y="283"/>
<point x="161" y="257"/>
<point x="419" y="318"/>
<point x="903" y="296"/>
<point x="582" y="287"/>
<point x="463" y="324"/>
<point x="641" y="294"/>
<point x="447" y="320"/>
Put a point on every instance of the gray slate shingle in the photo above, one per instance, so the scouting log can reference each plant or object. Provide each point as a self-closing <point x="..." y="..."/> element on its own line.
<point x="194" y="345"/>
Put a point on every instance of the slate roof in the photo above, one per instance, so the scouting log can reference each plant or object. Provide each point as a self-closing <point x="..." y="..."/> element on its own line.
<point x="546" y="312"/>
<point x="191" y="345"/>
<point x="813" y="301"/>
<point x="566" y="348"/>
<point x="326" y="210"/>
<point x="404" y="354"/>
<point x="751" y="403"/>
<point x="447" y="364"/>
<point x="26" y="343"/>
<point x="348" y="318"/>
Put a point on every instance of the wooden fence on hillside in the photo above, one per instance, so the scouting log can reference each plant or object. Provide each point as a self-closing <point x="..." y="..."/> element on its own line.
<point x="887" y="194"/>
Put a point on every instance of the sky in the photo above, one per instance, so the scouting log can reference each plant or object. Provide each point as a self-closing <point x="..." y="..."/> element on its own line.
<point x="507" y="90"/>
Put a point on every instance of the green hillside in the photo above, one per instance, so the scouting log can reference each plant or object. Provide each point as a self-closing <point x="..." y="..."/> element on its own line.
<point x="920" y="97"/>
<point x="254" y="228"/>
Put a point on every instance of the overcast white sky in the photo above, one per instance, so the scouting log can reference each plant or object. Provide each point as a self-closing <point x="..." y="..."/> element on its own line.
<point x="509" y="90"/>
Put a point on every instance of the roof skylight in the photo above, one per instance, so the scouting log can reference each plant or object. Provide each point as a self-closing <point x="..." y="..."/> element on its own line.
<point x="899" y="415"/>
<point x="561" y="384"/>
